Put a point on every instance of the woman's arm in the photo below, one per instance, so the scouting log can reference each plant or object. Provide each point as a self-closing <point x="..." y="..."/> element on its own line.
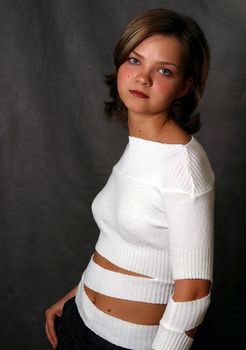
<point x="52" y="313"/>
<point x="187" y="290"/>
<point x="190" y="228"/>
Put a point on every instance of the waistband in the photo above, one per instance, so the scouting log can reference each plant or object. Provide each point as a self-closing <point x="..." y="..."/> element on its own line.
<point x="123" y="286"/>
<point x="123" y="333"/>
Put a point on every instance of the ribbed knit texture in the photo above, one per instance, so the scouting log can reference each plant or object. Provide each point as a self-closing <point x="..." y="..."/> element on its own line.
<point x="171" y="340"/>
<point x="129" y="287"/>
<point x="184" y="315"/>
<point x="119" y="332"/>
<point x="155" y="216"/>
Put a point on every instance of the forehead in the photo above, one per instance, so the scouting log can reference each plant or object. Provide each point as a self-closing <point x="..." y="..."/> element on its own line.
<point x="161" y="47"/>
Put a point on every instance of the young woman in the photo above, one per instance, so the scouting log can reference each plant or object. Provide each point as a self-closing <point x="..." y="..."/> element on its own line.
<point x="148" y="283"/>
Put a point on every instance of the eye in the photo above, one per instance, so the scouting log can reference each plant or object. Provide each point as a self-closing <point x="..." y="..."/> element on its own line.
<point x="165" y="71"/>
<point x="133" y="60"/>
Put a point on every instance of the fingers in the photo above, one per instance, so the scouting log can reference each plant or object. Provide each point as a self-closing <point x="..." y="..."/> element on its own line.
<point x="53" y="344"/>
<point x="50" y="331"/>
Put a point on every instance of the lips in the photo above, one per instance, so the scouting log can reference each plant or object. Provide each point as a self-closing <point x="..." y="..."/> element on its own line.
<point x="137" y="93"/>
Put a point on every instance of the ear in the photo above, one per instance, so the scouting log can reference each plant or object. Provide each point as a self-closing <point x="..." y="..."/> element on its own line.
<point x="185" y="88"/>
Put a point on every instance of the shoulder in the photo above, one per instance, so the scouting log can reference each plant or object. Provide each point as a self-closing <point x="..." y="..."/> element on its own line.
<point x="200" y="169"/>
<point x="189" y="169"/>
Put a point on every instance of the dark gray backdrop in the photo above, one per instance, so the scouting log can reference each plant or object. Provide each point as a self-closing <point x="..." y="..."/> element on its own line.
<point x="57" y="151"/>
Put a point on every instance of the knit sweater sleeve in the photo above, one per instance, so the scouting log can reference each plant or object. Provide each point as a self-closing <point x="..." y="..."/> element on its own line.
<point x="188" y="203"/>
<point x="190" y="215"/>
<point x="190" y="225"/>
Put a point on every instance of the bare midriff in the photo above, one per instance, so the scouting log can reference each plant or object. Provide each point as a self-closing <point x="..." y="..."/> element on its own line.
<point x="127" y="310"/>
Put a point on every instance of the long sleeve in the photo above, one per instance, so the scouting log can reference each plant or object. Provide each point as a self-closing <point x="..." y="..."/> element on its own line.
<point x="191" y="233"/>
<point x="191" y="236"/>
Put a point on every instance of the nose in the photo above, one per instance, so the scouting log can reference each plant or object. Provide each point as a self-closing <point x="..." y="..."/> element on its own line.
<point x="144" y="78"/>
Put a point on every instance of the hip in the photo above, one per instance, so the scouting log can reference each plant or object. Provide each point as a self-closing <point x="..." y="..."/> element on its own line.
<point x="73" y="334"/>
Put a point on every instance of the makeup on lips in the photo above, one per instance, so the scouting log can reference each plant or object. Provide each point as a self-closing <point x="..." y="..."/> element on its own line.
<point x="137" y="93"/>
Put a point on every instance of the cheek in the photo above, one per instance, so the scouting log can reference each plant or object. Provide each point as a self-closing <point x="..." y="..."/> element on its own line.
<point x="123" y="77"/>
<point x="124" y="74"/>
<point x="166" y="87"/>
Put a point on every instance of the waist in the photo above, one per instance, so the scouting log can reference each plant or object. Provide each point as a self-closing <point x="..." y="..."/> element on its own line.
<point x="132" y="311"/>
<point x="127" y="287"/>
<point x="123" y="333"/>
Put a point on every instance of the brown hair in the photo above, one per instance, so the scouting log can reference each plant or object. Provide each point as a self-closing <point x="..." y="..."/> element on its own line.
<point x="196" y="58"/>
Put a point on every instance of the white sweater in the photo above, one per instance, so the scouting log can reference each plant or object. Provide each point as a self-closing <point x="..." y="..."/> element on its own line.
<point x="156" y="218"/>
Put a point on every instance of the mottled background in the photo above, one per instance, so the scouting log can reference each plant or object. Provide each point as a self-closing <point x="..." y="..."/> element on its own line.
<point x="57" y="151"/>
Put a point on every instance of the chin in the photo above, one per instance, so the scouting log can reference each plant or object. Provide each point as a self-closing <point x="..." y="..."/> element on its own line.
<point x="132" y="108"/>
<point x="138" y="111"/>
<point x="136" y="107"/>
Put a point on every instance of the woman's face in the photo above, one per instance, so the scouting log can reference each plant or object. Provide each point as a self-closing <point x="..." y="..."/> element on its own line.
<point x="152" y="76"/>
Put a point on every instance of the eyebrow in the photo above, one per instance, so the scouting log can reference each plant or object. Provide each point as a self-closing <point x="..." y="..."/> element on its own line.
<point x="161" y="62"/>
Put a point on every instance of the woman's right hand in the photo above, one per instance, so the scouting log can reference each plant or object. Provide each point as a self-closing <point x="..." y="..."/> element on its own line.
<point x="51" y="314"/>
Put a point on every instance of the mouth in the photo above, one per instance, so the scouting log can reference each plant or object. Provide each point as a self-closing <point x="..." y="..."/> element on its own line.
<point x="139" y="94"/>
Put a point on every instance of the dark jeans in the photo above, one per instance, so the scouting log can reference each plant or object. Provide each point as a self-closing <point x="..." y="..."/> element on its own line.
<point x="73" y="334"/>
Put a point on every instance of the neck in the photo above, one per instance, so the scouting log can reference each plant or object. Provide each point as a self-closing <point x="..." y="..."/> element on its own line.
<point x="149" y="127"/>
